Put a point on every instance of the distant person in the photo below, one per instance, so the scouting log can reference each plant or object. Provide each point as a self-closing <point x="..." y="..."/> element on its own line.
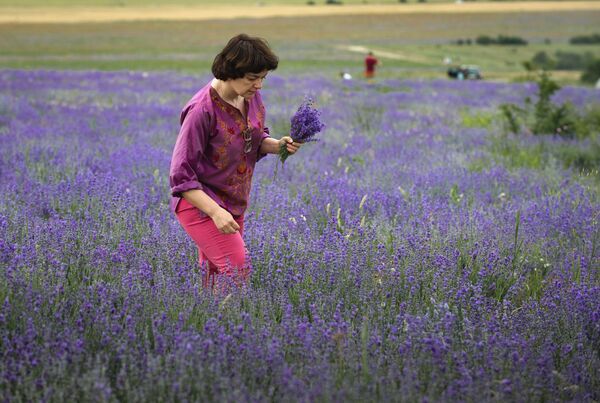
<point x="345" y="75"/>
<point x="370" y="63"/>
<point x="222" y="136"/>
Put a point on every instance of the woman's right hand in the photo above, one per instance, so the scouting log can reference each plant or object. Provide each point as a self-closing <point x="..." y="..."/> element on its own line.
<point x="225" y="222"/>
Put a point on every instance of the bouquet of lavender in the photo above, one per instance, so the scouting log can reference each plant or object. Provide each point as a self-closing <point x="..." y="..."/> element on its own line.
<point x="305" y="124"/>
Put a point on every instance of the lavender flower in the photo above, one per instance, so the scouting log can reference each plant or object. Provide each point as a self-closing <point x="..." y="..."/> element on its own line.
<point x="305" y="124"/>
<point x="100" y="290"/>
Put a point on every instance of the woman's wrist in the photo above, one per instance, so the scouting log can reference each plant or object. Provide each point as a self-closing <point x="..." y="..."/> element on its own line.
<point x="270" y="146"/>
<point x="212" y="211"/>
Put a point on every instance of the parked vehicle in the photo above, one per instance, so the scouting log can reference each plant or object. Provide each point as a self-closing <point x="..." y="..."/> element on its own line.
<point x="465" y="72"/>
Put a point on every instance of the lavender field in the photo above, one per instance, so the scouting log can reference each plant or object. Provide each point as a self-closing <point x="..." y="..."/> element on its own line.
<point x="406" y="257"/>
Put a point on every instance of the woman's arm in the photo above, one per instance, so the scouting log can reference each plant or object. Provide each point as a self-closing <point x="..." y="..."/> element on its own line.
<point x="271" y="145"/>
<point x="221" y="217"/>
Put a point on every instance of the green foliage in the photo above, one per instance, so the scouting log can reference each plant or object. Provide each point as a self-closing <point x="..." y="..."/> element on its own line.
<point x="548" y="117"/>
<point x="592" y="72"/>
<point x="534" y="271"/>
<point x="515" y="155"/>
<point x="585" y="39"/>
<point x="500" y="40"/>
<point x="455" y="195"/>
<point x="499" y="283"/>
<point x="561" y="61"/>
<point x="572" y="60"/>
<point x="510" y="40"/>
<point x="582" y="158"/>
<point x="591" y="117"/>
<point x="541" y="60"/>
<point x="544" y="117"/>
<point x="511" y="152"/>
<point x="467" y="41"/>
<point x="480" y="119"/>
<point x="512" y="115"/>
<point x="484" y="40"/>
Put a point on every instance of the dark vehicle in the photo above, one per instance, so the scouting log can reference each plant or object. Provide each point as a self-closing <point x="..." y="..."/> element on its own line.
<point x="465" y="72"/>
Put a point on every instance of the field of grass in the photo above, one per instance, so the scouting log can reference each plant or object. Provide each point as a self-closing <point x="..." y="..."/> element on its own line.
<point x="305" y="44"/>
<point x="135" y="3"/>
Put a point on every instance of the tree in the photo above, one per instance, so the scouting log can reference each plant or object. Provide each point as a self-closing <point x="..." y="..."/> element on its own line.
<point x="592" y="72"/>
<point x="543" y="61"/>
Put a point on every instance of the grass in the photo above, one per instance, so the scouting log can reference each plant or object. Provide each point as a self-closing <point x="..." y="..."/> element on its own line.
<point x="304" y="44"/>
<point x="136" y="3"/>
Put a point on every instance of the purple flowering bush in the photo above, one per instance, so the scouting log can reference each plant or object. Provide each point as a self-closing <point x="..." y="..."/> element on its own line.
<point x="421" y="263"/>
<point x="305" y="124"/>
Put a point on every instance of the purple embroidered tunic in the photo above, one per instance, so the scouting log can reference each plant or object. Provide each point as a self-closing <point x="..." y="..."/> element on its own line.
<point x="209" y="151"/>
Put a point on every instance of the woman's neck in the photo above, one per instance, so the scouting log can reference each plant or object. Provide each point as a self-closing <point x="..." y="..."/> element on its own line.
<point x="225" y="91"/>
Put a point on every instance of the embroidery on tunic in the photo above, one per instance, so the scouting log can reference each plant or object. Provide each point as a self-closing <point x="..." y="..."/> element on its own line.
<point x="236" y="191"/>
<point x="220" y="156"/>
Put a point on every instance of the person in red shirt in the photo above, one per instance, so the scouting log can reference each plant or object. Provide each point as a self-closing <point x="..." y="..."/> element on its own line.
<point x="370" y="63"/>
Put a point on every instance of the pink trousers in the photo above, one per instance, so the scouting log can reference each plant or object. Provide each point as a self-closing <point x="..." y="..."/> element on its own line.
<point x="218" y="254"/>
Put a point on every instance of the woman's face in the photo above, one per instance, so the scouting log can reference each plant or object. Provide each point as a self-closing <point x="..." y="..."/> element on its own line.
<point x="249" y="84"/>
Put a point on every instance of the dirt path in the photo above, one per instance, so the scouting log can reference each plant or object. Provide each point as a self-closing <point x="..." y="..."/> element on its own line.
<point x="385" y="54"/>
<point x="165" y="13"/>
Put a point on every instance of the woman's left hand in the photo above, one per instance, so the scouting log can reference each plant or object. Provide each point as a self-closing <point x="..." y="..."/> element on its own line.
<point x="291" y="145"/>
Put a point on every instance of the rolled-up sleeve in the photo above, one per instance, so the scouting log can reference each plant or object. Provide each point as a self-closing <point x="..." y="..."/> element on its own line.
<point x="186" y="163"/>
<point x="265" y="134"/>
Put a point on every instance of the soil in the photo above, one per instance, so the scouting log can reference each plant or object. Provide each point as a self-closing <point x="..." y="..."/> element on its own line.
<point x="215" y="12"/>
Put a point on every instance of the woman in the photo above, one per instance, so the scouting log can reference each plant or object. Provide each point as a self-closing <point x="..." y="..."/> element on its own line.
<point x="222" y="136"/>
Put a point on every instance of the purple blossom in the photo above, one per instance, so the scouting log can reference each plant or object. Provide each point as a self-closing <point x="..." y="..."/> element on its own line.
<point x="305" y="124"/>
<point x="392" y="274"/>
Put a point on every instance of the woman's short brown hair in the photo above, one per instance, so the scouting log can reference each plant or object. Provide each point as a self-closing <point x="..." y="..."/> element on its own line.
<point x="244" y="54"/>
